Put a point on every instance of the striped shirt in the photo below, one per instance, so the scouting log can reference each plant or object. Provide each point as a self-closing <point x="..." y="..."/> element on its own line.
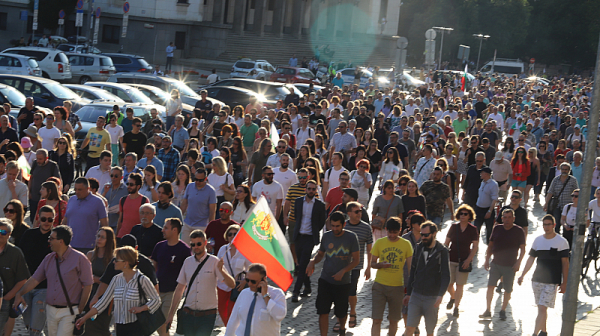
<point x="364" y="232"/>
<point x="126" y="296"/>
<point x="294" y="192"/>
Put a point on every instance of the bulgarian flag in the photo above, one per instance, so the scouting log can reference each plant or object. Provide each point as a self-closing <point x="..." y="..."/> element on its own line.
<point x="25" y="168"/>
<point x="463" y="80"/>
<point x="261" y="241"/>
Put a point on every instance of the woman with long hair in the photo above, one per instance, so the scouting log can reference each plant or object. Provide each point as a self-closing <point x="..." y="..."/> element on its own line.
<point x="50" y="195"/>
<point x="150" y="184"/>
<point x="359" y="135"/>
<point x="463" y="240"/>
<point x="534" y="177"/>
<point x="303" y="155"/>
<point x="315" y="163"/>
<point x="61" y="121"/>
<point x="455" y="144"/>
<point x="391" y="167"/>
<point x="242" y="203"/>
<point x="508" y="149"/>
<point x="225" y="140"/>
<point x="478" y="129"/>
<point x="314" y="175"/>
<point x="238" y="115"/>
<point x="239" y="160"/>
<point x="546" y="162"/>
<point x="450" y="157"/>
<point x="295" y="117"/>
<point x="521" y="168"/>
<point x="66" y="162"/>
<point x="321" y="150"/>
<point x="367" y="138"/>
<point x="402" y="183"/>
<point x="385" y="206"/>
<point x="221" y="180"/>
<point x="182" y="179"/>
<point x="15" y="212"/>
<point x="194" y="131"/>
<point x="116" y="137"/>
<point x="361" y="180"/>
<point x="225" y="153"/>
<point x="412" y="200"/>
<point x="561" y="148"/>
<point x="360" y="154"/>
<point x="375" y="157"/>
<point x="320" y="130"/>
<point x="449" y="178"/>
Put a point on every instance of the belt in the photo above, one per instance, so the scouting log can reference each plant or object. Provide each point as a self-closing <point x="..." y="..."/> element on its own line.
<point x="198" y="313"/>
<point x="61" y="307"/>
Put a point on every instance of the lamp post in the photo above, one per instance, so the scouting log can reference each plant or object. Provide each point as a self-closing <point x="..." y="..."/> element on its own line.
<point x="443" y="30"/>
<point x="480" y="37"/>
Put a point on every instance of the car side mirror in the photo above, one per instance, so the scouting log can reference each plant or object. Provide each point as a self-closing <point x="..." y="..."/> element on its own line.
<point x="46" y="96"/>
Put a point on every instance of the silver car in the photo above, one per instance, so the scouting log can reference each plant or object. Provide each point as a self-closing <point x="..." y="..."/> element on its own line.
<point x="90" y="67"/>
<point x="19" y="65"/>
<point x="93" y="93"/>
<point x="128" y="93"/>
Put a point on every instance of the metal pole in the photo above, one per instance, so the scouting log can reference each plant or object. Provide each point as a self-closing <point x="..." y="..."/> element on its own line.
<point x="479" y="54"/>
<point x="441" y="47"/>
<point x="570" y="299"/>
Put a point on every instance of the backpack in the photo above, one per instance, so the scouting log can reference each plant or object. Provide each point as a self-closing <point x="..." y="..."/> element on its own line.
<point x="124" y="198"/>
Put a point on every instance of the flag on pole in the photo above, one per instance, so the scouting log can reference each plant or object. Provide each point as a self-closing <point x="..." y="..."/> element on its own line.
<point x="24" y="167"/>
<point x="261" y="240"/>
<point x="463" y="80"/>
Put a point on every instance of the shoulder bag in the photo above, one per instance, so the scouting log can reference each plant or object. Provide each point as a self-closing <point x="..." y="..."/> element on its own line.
<point x="149" y="322"/>
<point x="184" y="319"/>
<point x="377" y="223"/>
<point x="461" y="262"/>
<point x="76" y="332"/>
<point x="228" y="197"/>
<point x="235" y="292"/>
<point x="555" y="200"/>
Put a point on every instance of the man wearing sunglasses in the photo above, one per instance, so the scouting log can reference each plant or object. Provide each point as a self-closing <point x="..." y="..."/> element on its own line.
<point x="113" y="192"/>
<point x="129" y="206"/>
<point x="216" y="229"/>
<point x="200" y="202"/>
<point x="248" y="314"/>
<point x="135" y="140"/>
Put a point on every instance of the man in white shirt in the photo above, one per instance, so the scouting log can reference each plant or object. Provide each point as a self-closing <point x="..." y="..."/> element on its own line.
<point x="213" y="77"/>
<point x="284" y="174"/>
<point x="496" y="116"/>
<point x="332" y="175"/>
<point x="271" y="190"/>
<point x="303" y="133"/>
<point x="275" y="159"/>
<point x="101" y="172"/>
<point x="264" y="305"/>
<point x="201" y="298"/>
<point x="410" y="107"/>
<point x="12" y="187"/>
<point x="49" y="134"/>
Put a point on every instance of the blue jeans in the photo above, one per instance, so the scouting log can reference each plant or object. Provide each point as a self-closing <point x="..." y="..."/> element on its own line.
<point x="436" y="220"/>
<point x="170" y="122"/>
<point x="200" y="325"/>
<point x="35" y="314"/>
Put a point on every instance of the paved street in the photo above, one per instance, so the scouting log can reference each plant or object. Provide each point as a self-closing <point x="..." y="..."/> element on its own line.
<point x="302" y="319"/>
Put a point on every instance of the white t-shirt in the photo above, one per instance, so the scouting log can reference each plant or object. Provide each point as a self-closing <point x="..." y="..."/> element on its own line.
<point x="115" y="133"/>
<point x="358" y="183"/>
<point x="216" y="181"/>
<point x="333" y="177"/>
<point x="596" y="210"/>
<point x="48" y="136"/>
<point x="212" y="78"/>
<point x="571" y="214"/>
<point x="286" y="179"/>
<point x="272" y="192"/>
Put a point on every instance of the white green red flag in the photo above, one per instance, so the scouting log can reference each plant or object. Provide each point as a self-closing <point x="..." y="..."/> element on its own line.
<point x="25" y="168"/>
<point x="261" y="241"/>
<point x="463" y="80"/>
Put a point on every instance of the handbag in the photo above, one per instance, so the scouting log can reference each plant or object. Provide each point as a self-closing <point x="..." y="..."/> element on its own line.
<point x="149" y="322"/>
<point x="377" y="223"/>
<point x="555" y="200"/>
<point x="228" y="197"/>
<point x="182" y="317"/>
<point x="76" y="332"/>
<point x="235" y="292"/>
<point x="461" y="262"/>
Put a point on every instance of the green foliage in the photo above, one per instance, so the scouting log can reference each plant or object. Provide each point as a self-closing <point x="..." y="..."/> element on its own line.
<point x="48" y="11"/>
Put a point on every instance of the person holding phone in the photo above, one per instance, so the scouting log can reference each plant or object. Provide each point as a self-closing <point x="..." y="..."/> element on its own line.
<point x="263" y="305"/>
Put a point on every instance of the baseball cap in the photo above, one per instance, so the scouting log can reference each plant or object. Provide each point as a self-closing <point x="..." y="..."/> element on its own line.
<point x="25" y="142"/>
<point x="351" y="192"/>
<point x="499" y="155"/>
<point x="577" y="126"/>
<point x="485" y="170"/>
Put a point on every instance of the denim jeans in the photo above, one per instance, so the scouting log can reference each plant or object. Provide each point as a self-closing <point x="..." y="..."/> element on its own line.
<point x="200" y="325"/>
<point x="35" y="314"/>
<point x="170" y="122"/>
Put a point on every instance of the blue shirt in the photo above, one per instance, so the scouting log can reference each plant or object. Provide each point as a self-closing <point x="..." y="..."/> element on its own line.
<point x="378" y="105"/>
<point x="83" y="216"/>
<point x="577" y="171"/>
<point x="113" y="197"/>
<point x="197" y="206"/>
<point x="172" y="211"/>
<point x="154" y="162"/>
<point x="488" y="191"/>
<point x="170" y="161"/>
<point x="127" y="125"/>
<point x="179" y="136"/>
<point x="134" y="170"/>
<point x="339" y="82"/>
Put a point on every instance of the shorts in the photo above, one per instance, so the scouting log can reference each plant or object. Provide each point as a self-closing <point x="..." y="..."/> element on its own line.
<point x="544" y="293"/>
<point x="518" y="184"/>
<point x="165" y="302"/>
<point x="422" y="305"/>
<point x="393" y="296"/>
<point x="355" y="275"/>
<point x="497" y="272"/>
<point x="460" y="278"/>
<point x="329" y="293"/>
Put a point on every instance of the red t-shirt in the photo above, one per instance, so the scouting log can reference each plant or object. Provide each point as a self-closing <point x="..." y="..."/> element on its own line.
<point x="131" y="217"/>
<point x="216" y="230"/>
<point x="334" y="197"/>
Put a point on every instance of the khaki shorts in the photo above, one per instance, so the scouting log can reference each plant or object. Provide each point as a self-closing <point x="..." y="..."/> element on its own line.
<point x="393" y="296"/>
<point x="455" y="276"/>
<point x="165" y="302"/>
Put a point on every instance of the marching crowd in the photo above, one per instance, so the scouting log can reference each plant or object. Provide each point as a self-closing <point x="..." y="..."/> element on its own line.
<point x="146" y="231"/>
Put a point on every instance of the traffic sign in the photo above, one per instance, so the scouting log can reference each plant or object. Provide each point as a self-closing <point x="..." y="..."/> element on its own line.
<point x="23" y="16"/>
<point x="36" y="5"/>
<point x="532" y="60"/>
<point x="95" y="41"/>
<point x="61" y="22"/>
<point x="402" y="42"/>
<point x="98" y="11"/>
<point x="79" y="4"/>
<point x="126" y="7"/>
<point x="61" y="14"/>
<point x="430" y="34"/>
<point x="125" y="23"/>
<point x="79" y="18"/>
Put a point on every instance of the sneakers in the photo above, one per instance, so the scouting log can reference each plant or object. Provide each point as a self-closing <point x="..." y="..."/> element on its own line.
<point x="542" y="333"/>
<point x="295" y="298"/>
<point x="455" y="313"/>
<point x="499" y="288"/>
<point x="306" y="293"/>
<point x="486" y="315"/>
<point x="503" y="315"/>
<point x="450" y="304"/>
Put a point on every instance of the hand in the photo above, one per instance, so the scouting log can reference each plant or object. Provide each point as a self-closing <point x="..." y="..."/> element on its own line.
<point x="466" y="263"/>
<point x="486" y="265"/>
<point x="487" y="215"/>
<point x="339" y="275"/>
<point x="520" y="280"/>
<point x="406" y="300"/>
<point x="463" y="196"/>
<point x="66" y="188"/>
<point x="4" y="142"/>
<point x="563" y="287"/>
<point x="385" y="265"/>
<point x="438" y="302"/>
<point x="242" y="285"/>
<point x="11" y="184"/>
<point x="106" y="187"/>
<point x="545" y="208"/>
<point x="286" y="220"/>
<point x="80" y="323"/>
<point x="516" y="266"/>
<point x="220" y="263"/>
<point x="310" y="269"/>
<point x="264" y="287"/>
<point x="136" y="310"/>
<point x="368" y="273"/>
<point x="169" y="320"/>
<point x="18" y="300"/>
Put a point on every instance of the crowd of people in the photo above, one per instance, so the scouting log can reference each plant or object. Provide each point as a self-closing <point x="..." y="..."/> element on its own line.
<point x="366" y="174"/>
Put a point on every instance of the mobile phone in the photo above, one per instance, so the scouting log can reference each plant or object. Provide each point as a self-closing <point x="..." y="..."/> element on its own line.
<point x="20" y="309"/>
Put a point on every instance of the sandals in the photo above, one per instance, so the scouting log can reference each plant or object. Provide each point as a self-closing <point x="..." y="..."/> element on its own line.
<point x="351" y="322"/>
<point x="336" y="327"/>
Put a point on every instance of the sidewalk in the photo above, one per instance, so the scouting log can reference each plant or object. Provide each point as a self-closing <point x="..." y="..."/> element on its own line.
<point x="589" y="325"/>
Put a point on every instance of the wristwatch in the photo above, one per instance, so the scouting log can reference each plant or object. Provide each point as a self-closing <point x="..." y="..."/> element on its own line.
<point x="267" y="296"/>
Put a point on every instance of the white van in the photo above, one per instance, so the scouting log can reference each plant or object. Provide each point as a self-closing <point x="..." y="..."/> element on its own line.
<point x="504" y="66"/>
<point x="53" y="63"/>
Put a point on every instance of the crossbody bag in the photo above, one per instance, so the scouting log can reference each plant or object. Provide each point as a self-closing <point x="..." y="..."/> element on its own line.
<point x="76" y="332"/>
<point x="181" y="314"/>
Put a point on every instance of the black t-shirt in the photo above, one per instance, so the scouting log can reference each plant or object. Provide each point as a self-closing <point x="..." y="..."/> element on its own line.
<point x="147" y="238"/>
<point x="204" y="106"/>
<point x="402" y="150"/>
<point x="144" y="265"/>
<point x="135" y="143"/>
<point x="217" y="127"/>
<point x="314" y="119"/>
<point x="35" y="247"/>
<point x="27" y="121"/>
<point x="369" y="107"/>
<point x="479" y="107"/>
<point x="375" y="159"/>
<point x="520" y="216"/>
<point x="363" y="121"/>
<point x="304" y="110"/>
<point x="492" y="136"/>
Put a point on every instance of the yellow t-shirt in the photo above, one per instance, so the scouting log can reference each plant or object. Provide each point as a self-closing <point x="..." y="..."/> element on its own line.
<point x="394" y="253"/>
<point x="98" y="141"/>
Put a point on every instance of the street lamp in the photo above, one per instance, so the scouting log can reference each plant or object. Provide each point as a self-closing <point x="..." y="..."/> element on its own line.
<point x="443" y="30"/>
<point x="480" y="37"/>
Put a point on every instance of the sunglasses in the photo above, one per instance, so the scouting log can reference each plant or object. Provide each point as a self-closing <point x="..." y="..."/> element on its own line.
<point x="426" y="234"/>
<point x="46" y="219"/>
<point x="131" y="184"/>
<point x="138" y="125"/>
<point x="254" y="282"/>
<point x="575" y="196"/>
<point x="464" y="214"/>
<point x="357" y="211"/>
<point x="269" y="174"/>
<point x="62" y="143"/>
<point x="224" y="210"/>
<point x="402" y="184"/>
<point x="231" y="234"/>
<point x="115" y="176"/>
<point x="302" y="177"/>
<point x="200" y="180"/>
<point x="195" y="244"/>
<point x="283" y="147"/>
<point x="3" y="232"/>
<point x="11" y="211"/>
<point x="515" y="197"/>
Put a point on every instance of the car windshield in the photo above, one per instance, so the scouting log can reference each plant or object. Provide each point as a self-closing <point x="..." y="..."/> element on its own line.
<point x="15" y="97"/>
<point x="91" y="113"/>
<point x="156" y="95"/>
<point x="60" y="91"/>
<point x="184" y="89"/>
<point x="286" y="71"/>
<point x="244" y="65"/>
<point x="138" y="97"/>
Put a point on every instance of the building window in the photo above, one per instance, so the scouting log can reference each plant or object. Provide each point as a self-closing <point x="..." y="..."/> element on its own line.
<point x="183" y="1"/>
<point x="271" y="5"/>
<point x="252" y="4"/>
<point x="111" y="34"/>
<point x="180" y="40"/>
<point x="3" y="21"/>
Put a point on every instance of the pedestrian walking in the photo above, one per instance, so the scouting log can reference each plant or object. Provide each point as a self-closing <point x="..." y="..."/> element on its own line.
<point x="485" y="208"/>
<point x="200" y="202"/>
<point x="559" y="192"/>
<point x="170" y="50"/>
<point x="437" y="196"/>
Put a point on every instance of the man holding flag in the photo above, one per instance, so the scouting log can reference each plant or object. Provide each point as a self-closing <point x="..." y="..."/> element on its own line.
<point x="463" y="80"/>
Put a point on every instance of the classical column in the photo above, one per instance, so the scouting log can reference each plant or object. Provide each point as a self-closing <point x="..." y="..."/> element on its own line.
<point x="260" y="16"/>
<point x="239" y="16"/>
<point x="297" y="17"/>
<point x="332" y="18"/>
<point x="375" y="8"/>
<point x="279" y="17"/>
<point x="314" y="15"/>
<point x="217" y="14"/>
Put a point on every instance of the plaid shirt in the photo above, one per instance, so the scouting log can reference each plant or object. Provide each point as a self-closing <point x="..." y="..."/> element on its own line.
<point x="170" y="162"/>
<point x="557" y="185"/>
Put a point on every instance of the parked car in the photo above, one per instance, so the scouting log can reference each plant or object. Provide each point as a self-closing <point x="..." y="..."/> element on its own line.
<point x="305" y="88"/>
<point x="286" y="74"/>
<point x="78" y="48"/>
<point x="45" y="92"/>
<point x="16" y="99"/>
<point x="247" y="68"/>
<point x="130" y="63"/>
<point x="93" y="93"/>
<point x="128" y="93"/>
<point x="19" y="65"/>
<point x="408" y="82"/>
<point x="188" y="96"/>
<point x="270" y="90"/>
<point x="87" y="67"/>
<point x="90" y="113"/>
<point x="53" y="63"/>
<point x="160" y="97"/>
<point x="234" y="96"/>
